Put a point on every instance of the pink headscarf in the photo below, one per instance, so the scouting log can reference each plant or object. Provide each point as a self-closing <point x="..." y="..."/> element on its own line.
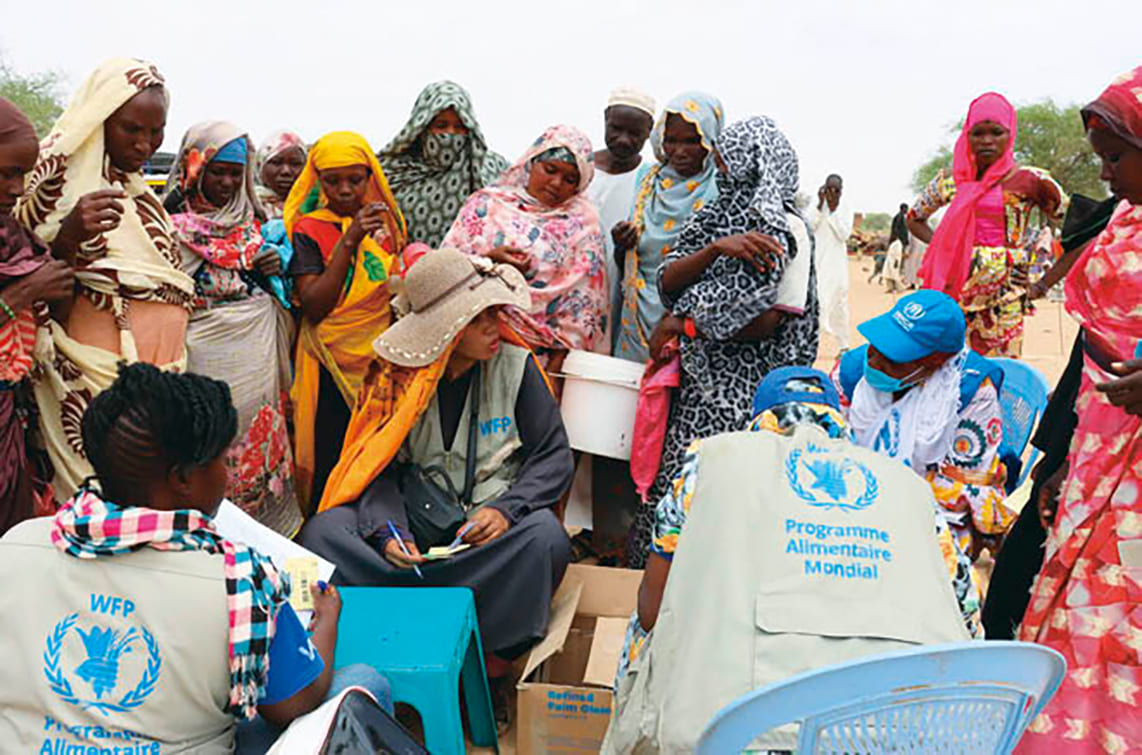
<point x="947" y="264"/>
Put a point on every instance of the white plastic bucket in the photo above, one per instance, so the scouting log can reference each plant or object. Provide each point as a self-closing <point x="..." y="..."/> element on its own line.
<point x="600" y="397"/>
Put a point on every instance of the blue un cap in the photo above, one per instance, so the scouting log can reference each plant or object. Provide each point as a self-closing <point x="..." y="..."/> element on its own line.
<point x="920" y="324"/>
<point x="792" y="385"/>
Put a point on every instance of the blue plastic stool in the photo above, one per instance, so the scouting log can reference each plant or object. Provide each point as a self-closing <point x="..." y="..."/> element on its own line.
<point x="424" y="640"/>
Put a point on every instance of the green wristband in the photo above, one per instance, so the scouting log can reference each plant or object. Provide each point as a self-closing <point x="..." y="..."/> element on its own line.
<point x="6" y="309"/>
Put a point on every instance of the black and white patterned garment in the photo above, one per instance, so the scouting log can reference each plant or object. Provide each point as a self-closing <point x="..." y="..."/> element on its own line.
<point x="720" y="376"/>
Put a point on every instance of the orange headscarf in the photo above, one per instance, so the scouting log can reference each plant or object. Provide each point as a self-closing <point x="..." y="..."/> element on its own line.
<point x="391" y="401"/>
<point x="342" y="342"/>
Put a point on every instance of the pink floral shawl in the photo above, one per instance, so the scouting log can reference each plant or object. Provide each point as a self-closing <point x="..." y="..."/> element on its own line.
<point x="569" y="303"/>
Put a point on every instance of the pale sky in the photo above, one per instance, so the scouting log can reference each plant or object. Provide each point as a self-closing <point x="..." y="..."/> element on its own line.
<point x="864" y="88"/>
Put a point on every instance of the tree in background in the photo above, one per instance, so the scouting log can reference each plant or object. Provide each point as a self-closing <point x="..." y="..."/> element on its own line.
<point x="879" y="222"/>
<point x="36" y="94"/>
<point x="1051" y="138"/>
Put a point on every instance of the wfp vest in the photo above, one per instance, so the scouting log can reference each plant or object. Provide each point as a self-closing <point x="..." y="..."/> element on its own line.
<point x="797" y="553"/>
<point x="497" y="438"/>
<point x="124" y="654"/>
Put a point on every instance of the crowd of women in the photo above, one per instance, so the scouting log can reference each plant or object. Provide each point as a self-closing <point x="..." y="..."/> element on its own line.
<point x="367" y="309"/>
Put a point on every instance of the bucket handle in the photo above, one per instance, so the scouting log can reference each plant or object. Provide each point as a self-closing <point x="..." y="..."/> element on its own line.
<point x="614" y="381"/>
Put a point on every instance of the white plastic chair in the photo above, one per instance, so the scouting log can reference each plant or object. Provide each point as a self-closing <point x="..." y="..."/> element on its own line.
<point x="969" y="697"/>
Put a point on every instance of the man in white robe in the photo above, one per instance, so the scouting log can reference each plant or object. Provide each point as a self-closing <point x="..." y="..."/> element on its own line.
<point x="832" y="225"/>
<point x="629" y="117"/>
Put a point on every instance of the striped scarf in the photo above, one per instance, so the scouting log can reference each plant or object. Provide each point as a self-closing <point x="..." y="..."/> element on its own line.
<point x="89" y="527"/>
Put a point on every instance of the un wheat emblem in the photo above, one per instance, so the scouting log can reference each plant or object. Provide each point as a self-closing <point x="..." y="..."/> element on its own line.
<point x="831" y="479"/>
<point x="104" y="648"/>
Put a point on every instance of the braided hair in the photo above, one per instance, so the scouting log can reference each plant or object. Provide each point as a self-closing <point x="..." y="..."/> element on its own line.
<point x="150" y="422"/>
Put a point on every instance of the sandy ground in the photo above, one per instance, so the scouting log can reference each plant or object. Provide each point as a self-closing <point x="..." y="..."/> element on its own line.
<point x="1047" y="340"/>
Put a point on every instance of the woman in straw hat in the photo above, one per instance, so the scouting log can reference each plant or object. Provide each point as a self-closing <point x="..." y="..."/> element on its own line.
<point x="415" y="412"/>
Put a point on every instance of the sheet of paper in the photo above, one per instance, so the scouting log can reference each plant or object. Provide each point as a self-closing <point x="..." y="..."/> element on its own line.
<point x="443" y="551"/>
<point x="237" y="525"/>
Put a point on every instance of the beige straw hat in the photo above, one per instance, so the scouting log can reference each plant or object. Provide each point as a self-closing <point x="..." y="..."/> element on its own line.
<point x="439" y="295"/>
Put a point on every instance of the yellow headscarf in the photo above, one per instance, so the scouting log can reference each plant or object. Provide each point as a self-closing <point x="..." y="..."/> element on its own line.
<point x="340" y="149"/>
<point x="342" y="343"/>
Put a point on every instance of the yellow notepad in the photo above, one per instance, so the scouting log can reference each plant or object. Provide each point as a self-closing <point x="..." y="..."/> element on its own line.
<point x="443" y="551"/>
<point x="302" y="572"/>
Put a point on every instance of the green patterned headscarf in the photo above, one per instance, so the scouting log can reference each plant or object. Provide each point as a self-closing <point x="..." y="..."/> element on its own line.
<point x="433" y="174"/>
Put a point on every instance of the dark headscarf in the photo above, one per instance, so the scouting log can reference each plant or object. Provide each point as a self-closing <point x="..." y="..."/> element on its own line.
<point x="21" y="253"/>
<point x="14" y="125"/>
<point x="900" y="228"/>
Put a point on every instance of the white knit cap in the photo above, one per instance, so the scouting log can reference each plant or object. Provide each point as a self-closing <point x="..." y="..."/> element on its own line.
<point x="631" y="97"/>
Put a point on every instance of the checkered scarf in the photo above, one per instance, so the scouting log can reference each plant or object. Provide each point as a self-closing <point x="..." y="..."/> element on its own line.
<point x="89" y="527"/>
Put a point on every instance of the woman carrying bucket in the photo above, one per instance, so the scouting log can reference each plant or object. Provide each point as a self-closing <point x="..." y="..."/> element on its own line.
<point x="456" y="445"/>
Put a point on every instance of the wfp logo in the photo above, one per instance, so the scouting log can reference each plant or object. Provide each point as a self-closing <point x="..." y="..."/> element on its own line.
<point x="495" y="425"/>
<point x="827" y="479"/>
<point x="99" y="674"/>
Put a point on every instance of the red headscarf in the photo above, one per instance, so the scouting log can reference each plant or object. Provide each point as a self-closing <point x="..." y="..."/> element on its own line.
<point x="947" y="263"/>
<point x="1119" y="108"/>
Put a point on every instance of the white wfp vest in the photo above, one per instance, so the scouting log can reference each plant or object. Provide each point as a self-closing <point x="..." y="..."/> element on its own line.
<point x="497" y="437"/>
<point x="124" y="655"/>
<point x="797" y="553"/>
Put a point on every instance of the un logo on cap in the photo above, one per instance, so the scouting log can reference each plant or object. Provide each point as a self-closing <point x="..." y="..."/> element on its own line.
<point x="913" y="310"/>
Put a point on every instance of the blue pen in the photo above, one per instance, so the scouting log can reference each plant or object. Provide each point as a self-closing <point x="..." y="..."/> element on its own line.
<point x="460" y="535"/>
<point x="404" y="549"/>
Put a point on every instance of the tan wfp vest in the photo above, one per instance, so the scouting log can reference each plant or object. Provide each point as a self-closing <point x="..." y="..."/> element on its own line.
<point x="798" y="552"/>
<point x="497" y="439"/>
<point x="126" y="652"/>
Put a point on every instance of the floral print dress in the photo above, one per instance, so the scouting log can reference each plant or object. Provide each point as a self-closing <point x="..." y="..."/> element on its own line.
<point x="993" y="308"/>
<point x="238" y="333"/>
<point x="1087" y="600"/>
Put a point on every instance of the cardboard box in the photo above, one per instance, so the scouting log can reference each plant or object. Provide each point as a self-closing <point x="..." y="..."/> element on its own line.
<point x="565" y="696"/>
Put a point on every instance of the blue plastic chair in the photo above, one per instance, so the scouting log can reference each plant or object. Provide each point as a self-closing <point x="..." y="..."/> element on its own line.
<point x="425" y="640"/>
<point x="973" y="697"/>
<point x="1023" y="400"/>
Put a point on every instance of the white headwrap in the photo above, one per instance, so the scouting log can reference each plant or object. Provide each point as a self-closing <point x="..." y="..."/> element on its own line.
<point x="919" y="428"/>
<point x="631" y="97"/>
